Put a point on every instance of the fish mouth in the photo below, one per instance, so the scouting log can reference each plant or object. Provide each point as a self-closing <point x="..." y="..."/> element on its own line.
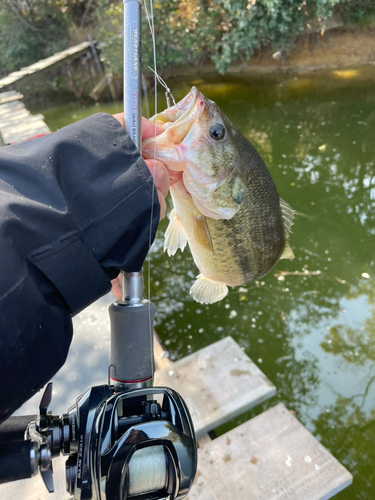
<point x="177" y="120"/>
<point x="183" y="108"/>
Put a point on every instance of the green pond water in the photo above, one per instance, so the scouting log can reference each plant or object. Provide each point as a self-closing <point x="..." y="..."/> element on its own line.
<point x="310" y="323"/>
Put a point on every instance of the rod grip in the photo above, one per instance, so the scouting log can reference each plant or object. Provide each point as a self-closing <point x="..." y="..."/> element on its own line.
<point x="132" y="353"/>
<point x="13" y="429"/>
<point x="18" y="460"/>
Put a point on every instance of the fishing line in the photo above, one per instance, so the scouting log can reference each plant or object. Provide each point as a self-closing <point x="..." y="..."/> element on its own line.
<point x="150" y="20"/>
<point x="168" y="92"/>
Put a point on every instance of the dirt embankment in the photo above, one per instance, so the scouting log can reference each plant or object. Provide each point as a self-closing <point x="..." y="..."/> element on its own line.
<point x="336" y="49"/>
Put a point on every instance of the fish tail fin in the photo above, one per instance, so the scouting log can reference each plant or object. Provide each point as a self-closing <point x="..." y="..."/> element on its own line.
<point x="207" y="291"/>
<point x="288" y="214"/>
<point x="175" y="236"/>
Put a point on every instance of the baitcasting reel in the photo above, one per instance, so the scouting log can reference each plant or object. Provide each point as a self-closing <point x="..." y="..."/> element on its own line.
<point x="134" y="445"/>
<point x="125" y="440"/>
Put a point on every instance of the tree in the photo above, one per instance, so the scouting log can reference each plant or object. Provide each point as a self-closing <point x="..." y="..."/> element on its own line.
<point x="34" y="29"/>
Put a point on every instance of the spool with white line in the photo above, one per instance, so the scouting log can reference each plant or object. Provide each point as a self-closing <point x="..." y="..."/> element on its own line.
<point x="147" y="470"/>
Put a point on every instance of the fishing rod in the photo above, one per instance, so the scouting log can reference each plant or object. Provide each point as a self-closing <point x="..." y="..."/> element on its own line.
<point x="132" y="72"/>
<point x="126" y="439"/>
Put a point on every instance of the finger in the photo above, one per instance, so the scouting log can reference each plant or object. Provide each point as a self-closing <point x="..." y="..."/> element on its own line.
<point x="174" y="176"/>
<point x="150" y="129"/>
<point x="163" y="205"/>
<point x="117" y="287"/>
<point x="160" y="175"/>
<point x="120" y="118"/>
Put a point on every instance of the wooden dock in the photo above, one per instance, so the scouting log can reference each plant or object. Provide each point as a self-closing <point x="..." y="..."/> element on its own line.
<point x="17" y="124"/>
<point x="54" y="61"/>
<point x="270" y="457"/>
<point x="218" y="383"/>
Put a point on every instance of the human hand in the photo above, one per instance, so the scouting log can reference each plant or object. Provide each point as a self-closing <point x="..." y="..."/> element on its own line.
<point x="163" y="177"/>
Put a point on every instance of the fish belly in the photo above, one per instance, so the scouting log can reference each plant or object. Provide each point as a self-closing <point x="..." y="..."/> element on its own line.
<point x="235" y="251"/>
<point x="207" y="240"/>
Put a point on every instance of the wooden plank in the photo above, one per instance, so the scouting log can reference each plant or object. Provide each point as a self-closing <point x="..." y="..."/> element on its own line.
<point x="11" y="107"/>
<point x="270" y="457"/>
<point x="160" y="355"/>
<point x="23" y="120"/>
<point x="34" y="487"/>
<point x="217" y="383"/>
<point x="25" y="131"/>
<point x="162" y="361"/>
<point x="99" y="88"/>
<point x="13" y="118"/>
<point x="10" y="95"/>
<point x="55" y="60"/>
<point x="17" y="124"/>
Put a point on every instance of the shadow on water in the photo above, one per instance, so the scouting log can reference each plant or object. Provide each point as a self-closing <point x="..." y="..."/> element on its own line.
<point x="310" y="323"/>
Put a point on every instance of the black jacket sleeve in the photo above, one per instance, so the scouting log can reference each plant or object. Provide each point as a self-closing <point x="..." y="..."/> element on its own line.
<point x="75" y="206"/>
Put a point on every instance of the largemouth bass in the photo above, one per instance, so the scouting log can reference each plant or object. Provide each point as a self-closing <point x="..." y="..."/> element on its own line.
<point x="226" y="205"/>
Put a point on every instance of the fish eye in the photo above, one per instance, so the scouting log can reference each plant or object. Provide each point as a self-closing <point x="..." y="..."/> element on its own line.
<point x="217" y="131"/>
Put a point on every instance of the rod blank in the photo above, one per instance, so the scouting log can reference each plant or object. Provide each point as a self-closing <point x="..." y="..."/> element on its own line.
<point x="132" y="70"/>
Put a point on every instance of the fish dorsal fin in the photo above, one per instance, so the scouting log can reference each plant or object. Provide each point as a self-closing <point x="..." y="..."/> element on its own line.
<point x="207" y="291"/>
<point x="202" y="233"/>
<point x="287" y="214"/>
<point x="175" y="236"/>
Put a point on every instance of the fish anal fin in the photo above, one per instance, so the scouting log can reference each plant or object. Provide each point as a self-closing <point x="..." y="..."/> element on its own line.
<point x="202" y="232"/>
<point x="287" y="252"/>
<point x="175" y="236"/>
<point x="207" y="291"/>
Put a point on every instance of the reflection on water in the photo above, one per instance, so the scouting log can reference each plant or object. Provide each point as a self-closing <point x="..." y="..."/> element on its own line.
<point x="309" y="324"/>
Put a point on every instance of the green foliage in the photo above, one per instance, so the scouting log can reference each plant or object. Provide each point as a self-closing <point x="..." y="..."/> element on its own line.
<point x="29" y="31"/>
<point x="248" y="25"/>
<point x="360" y="12"/>
<point x="224" y="31"/>
<point x="34" y="29"/>
<point x="110" y="34"/>
<point x="185" y="32"/>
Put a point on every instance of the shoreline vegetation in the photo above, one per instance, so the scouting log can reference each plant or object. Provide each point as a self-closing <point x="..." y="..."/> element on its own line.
<point x="194" y="39"/>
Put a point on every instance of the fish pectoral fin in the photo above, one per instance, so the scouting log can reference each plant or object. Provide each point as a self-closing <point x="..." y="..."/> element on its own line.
<point x="202" y="233"/>
<point x="287" y="252"/>
<point x="175" y="236"/>
<point x="207" y="291"/>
